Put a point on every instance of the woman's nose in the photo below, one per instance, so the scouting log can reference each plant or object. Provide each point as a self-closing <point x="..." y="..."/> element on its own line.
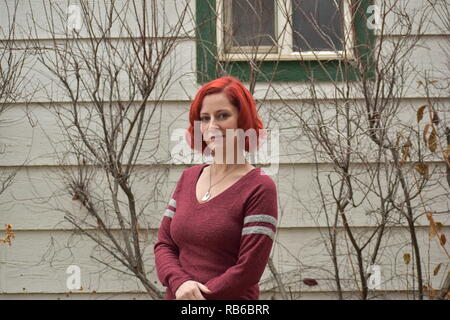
<point x="213" y="124"/>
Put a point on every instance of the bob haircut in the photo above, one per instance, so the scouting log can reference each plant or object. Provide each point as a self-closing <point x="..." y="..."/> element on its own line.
<point x="239" y="97"/>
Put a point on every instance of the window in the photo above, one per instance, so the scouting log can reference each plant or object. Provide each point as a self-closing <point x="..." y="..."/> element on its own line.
<point x="290" y="40"/>
<point x="284" y="29"/>
<point x="247" y="25"/>
<point x="318" y="25"/>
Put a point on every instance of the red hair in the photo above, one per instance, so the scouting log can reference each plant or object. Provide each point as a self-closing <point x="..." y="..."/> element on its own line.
<point x="239" y="97"/>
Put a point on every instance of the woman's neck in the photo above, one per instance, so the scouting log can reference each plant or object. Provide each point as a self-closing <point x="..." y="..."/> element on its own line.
<point x="224" y="168"/>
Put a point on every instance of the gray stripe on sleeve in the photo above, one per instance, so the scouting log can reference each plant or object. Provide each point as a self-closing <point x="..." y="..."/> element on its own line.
<point x="261" y="218"/>
<point x="169" y="213"/>
<point x="258" y="230"/>
<point x="173" y="203"/>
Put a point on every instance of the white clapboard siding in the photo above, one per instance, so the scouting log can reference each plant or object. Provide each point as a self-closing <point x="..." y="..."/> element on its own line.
<point x="177" y="68"/>
<point x="429" y="21"/>
<point x="169" y="12"/>
<point x="28" y="268"/>
<point x="53" y="13"/>
<point x="37" y="198"/>
<point x="34" y="266"/>
<point x="427" y="54"/>
<point x="33" y="136"/>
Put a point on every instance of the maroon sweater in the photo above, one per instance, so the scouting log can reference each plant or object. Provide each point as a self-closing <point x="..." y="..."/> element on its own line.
<point x="223" y="243"/>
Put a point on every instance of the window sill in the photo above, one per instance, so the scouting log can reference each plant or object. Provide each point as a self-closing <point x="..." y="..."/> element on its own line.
<point x="295" y="56"/>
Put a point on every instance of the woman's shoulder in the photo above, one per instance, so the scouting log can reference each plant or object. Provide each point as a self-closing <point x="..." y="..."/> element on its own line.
<point x="193" y="169"/>
<point x="191" y="172"/>
<point x="262" y="178"/>
<point x="260" y="195"/>
<point x="259" y="182"/>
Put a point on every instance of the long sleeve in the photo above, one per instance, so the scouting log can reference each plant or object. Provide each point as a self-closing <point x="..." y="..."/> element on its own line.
<point x="259" y="227"/>
<point x="168" y="267"/>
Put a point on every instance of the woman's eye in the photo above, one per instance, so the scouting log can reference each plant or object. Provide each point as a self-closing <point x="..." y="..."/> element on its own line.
<point x="223" y="116"/>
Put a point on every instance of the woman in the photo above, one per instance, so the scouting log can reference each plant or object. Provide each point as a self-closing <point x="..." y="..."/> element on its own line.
<point x="217" y="231"/>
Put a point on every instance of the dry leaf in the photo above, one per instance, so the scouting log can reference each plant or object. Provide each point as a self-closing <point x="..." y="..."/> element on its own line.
<point x="432" y="141"/>
<point x="407" y="258"/>
<point x="425" y="132"/>
<point x="435" y="119"/>
<point x="436" y="270"/>
<point x="433" y="228"/>
<point x="446" y="155"/>
<point x="442" y="239"/>
<point x="422" y="168"/>
<point x="9" y="235"/>
<point x="405" y="150"/>
<point x="420" y="112"/>
<point x="310" y="282"/>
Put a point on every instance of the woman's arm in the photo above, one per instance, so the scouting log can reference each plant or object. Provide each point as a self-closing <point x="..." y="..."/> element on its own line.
<point x="260" y="219"/>
<point x="168" y="267"/>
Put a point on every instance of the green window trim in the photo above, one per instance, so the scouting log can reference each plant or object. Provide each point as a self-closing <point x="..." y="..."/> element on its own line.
<point x="209" y="68"/>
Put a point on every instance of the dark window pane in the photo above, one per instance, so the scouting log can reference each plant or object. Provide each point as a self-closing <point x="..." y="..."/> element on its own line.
<point x="317" y="25"/>
<point x="253" y="22"/>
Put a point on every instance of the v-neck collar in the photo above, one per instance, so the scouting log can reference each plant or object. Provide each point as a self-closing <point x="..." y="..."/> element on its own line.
<point x="229" y="189"/>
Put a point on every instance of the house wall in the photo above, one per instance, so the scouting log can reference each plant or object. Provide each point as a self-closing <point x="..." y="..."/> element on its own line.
<point x="35" y="265"/>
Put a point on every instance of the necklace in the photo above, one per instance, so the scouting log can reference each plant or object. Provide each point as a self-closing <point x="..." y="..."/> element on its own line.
<point x="208" y="193"/>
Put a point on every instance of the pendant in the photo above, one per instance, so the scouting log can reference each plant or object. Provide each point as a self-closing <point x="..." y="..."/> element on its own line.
<point x="206" y="196"/>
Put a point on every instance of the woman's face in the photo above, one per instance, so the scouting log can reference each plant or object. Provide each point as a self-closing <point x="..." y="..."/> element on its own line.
<point x="217" y="115"/>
